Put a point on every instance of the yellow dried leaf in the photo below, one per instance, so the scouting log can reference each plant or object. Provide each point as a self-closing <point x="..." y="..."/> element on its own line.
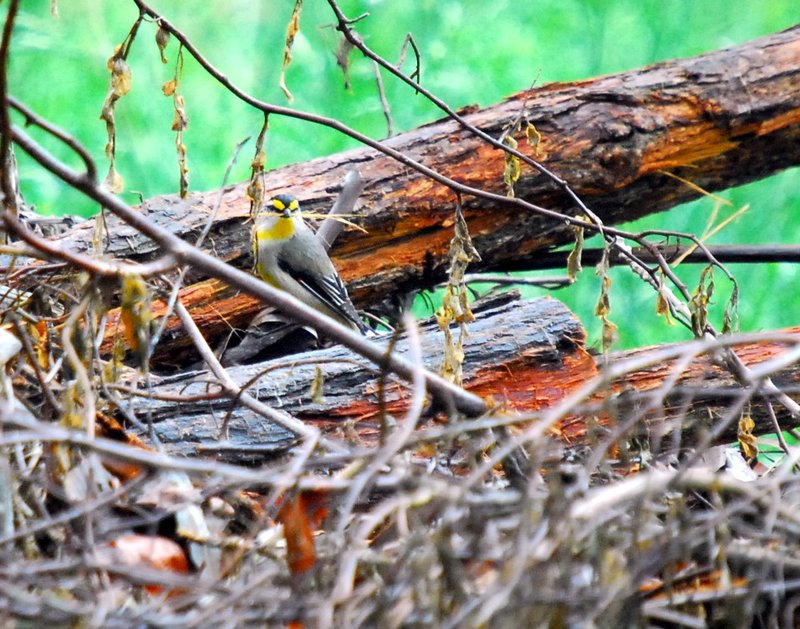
<point x="603" y="306"/>
<point x="168" y="89"/>
<point x="533" y="136"/>
<point x="136" y="315"/>
<point x="512" y="170"/>
<point x="121" y="77"/>
<point x="259" y="160"/>
<point x="748" y="442"/>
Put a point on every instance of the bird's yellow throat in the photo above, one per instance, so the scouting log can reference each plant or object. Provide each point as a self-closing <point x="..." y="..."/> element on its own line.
<point x="279" y="230"/>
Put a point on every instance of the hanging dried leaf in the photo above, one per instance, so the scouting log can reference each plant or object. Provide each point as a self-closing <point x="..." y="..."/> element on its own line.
<point x="255" y="189"/>
<point x="662" y="303"/>
<point x="700" y="300"/>
<point x="114" y="181"/>
<point x="534" y="139"/>
<point x="512" y="170"/>
<point x="603" y="306"/>
<point x="574" y="259"/>
<point x="121" y="78"/>
<point x="610" y="334"/>
<point x="162" y="41"/>
<point x="121" y="81"/>
<point x="291" y="31"/>
<point x="730" y="320"/>
<point x="180" y="122"/>
<point x="455" y="306"/>
<point x="168" y="89"/>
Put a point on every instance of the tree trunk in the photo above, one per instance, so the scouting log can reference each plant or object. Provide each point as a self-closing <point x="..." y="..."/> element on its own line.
<point x="718" y="120"/>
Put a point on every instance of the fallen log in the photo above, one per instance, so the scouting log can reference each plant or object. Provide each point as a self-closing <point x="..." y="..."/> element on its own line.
<point x="718" y="120"/>
<point x="526" y="356"/>
<point x="537" y="341"/>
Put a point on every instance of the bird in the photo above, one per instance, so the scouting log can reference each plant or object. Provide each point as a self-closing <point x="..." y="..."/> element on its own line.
<point x="289" y="256"/>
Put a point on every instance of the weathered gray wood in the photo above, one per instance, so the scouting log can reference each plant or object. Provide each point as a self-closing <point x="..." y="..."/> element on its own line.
<point x="506" y="336"/>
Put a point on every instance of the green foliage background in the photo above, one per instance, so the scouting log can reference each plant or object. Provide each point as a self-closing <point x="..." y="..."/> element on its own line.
<point x="472" y="52"/>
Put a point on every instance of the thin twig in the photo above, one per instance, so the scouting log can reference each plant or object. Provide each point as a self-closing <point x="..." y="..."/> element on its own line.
<point x="6" y="186"/>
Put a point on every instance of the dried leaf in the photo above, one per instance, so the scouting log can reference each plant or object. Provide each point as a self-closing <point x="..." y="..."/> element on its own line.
<point x="343" y="59"/>
<point x="300" y="515"/>
<point x="574" y="259"/>
<point x="41" y="343"/>
<point x="291" y="31"/>
<point x="748" y="442"/>
<point x="114" y="181"/>
<point x="168" y="89"/>
<point x="455" y="306"/>
<point x="255" y="189"/>
<point x="603" y="306"/>
<point x="162" y="40"/>
<point x="700" y="300"/>
<point x="135" y="315"/>
<point x="120" y="85"/>
<point x="121" y="77"/>
<point x="662" y="303"/>
<point x="534" y="138"/>
<point x="512" y="170"/>
<point x="610" y="335"/>
<point x="730" y="320"/>
<point x="179" y="120"/>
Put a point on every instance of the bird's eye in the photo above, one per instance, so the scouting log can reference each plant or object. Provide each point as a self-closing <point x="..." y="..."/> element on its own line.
<point x="294" y="204"/>
<point x="278" y="204"/>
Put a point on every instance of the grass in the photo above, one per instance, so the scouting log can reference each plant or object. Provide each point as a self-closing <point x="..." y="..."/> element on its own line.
<point x="472" y="52"/>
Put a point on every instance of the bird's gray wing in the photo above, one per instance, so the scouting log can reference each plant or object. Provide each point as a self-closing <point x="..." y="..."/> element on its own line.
<point x="326" y="286"/>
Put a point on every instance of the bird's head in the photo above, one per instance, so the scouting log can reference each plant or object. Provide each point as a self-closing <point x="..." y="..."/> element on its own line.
<point x="284" y="204"/>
